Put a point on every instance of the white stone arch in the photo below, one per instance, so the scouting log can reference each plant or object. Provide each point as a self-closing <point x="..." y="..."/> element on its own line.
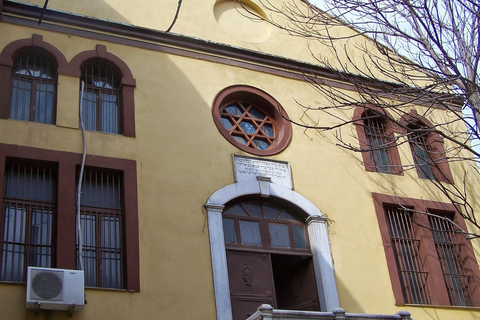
<point x="317" y="232"/>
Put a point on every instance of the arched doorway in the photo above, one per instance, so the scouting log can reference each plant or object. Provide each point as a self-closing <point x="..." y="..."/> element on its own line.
<point x="268" y="257"/>
<point x="317" y="237"/>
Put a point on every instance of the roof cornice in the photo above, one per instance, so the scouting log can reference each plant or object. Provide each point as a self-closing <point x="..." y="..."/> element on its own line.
<point x="121" y="33"/>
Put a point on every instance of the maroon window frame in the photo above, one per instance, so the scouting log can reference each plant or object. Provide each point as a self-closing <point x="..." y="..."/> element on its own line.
<point x="67" y="165"/>
<point x="406" y="249"/>
<point x="251" y="120"/>
<point x="427" y="148"/>
<point x="103" y="223"/>
<point x="423" y="157"/>
<point x="376" y="139"/>
<point x="436" y="284"/>
<point x="125" y="84"/>
<point x="9" y="59"/>
<point x="449" y="251"/>
<point x="34" y="83"/>
<point x="378" y="143"/>
<point x="27" y="220"/>
<point x="101" y="107"/>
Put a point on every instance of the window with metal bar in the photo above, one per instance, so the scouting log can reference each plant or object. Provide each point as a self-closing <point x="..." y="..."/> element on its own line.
<point x="376" y="138"/>
<point x="428" y="261"/>
<point x="33" y="89"/>
<point x="405" y="245"/>
<point x="421" y="152"/>
<point x="448" y="250"/>
<point x="101" y="108"/>
<point x="102" y="220"/>
<point x="28" y="223"/>
<point x="378" y="143"/>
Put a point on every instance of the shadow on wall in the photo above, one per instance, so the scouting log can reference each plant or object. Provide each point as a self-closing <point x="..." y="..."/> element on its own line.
<point x="139" y="13"/>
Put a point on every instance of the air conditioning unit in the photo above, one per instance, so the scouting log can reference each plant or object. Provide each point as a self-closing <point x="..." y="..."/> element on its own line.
<point x="55" y="289"/>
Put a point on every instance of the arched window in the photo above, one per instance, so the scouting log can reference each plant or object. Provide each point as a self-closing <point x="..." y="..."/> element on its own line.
<point x="376" y="139"/>
<point x="427" y="148"/>
<point x="379" y="143"/>
<point x="34" y="77"/>
<point x="318" y="246"/>
<point x="423" y="155"/>
<point x="109" y="104"/>
<point x="268" y="258"/>
<point x="261" y="223"/>
<point x="101" y="97"/>
<point x="29" y="70"/>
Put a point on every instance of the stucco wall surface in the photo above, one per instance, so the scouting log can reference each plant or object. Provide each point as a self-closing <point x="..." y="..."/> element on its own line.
<point x="256" y="25"/>
<point x="182" y="159"/>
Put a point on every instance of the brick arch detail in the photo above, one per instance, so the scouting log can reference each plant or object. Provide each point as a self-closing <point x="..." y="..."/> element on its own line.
<point x="101" y="52"/>
<point x="390" y="127"/>
<point x="6" y="64"/>
<point x="414" y="116"/>
<point x="7" y="55"/>
<point x="360" y="110"/>
<point x="441" y="169"/>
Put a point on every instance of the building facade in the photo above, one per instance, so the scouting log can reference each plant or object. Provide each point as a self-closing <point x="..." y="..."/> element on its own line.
<point x="198" y="197"/>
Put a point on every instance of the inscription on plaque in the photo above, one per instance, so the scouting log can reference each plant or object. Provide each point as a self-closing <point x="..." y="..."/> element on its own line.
<point x="250" y="168"/>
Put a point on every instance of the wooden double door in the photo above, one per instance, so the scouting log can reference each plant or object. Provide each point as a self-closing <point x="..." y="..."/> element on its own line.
<point x="281" y="280"/>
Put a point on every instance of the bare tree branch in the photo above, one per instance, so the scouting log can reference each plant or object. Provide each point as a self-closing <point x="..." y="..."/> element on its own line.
<point x="393" y="56"/>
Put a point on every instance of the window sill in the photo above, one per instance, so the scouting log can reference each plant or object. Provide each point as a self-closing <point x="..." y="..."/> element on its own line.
<point x="12" y="282"/>
<point x="109" y="289"/>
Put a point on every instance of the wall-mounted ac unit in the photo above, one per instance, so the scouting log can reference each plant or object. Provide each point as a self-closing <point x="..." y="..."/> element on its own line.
<point x="55" y="289"/>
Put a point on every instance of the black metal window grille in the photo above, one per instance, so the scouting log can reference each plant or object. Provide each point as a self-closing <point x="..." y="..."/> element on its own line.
<point x="421" y="152"/>
<point x="28" y="224"/>
<point x="102" y="222"/>
<point x="405" y="245"/>
<point x="101" y="109"/>
<point x="378" y="144"/>
<point x="33" y="90"/>
<point x="448" y="251"/>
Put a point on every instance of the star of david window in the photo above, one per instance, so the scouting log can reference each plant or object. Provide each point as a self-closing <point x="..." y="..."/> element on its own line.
<point x="251" y="120"/>
<point x="248" y="125"/>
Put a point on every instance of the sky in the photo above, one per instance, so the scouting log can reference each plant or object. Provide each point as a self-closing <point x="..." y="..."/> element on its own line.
<point x="322" y="4"/>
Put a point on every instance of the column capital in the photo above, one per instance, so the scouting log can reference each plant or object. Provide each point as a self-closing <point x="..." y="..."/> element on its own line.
<point x="214" y="207"/>
<point x="316" y="219"/>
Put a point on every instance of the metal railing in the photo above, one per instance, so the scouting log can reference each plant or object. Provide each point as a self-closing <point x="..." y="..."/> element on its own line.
<point x="267" y="312"/>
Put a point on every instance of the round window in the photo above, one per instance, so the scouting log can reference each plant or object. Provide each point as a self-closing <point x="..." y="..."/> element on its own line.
<point x="251" y="120"/>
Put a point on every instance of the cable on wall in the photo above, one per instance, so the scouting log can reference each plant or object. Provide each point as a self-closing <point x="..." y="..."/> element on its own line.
<point x="80" y="180"/>
<point x="43" y="12"/>
<point x="176" y="16"/>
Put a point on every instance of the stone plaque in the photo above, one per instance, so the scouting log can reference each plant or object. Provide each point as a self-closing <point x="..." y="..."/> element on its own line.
<point x="247" y="168"/>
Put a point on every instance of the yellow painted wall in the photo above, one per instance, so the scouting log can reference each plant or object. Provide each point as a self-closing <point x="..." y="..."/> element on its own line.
<point x="182" y="159"/>
<point x="227" y="22"/>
